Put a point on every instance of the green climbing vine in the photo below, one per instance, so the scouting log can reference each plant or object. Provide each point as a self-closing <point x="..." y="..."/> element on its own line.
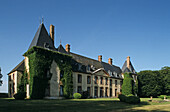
<point x="40" y="61"/>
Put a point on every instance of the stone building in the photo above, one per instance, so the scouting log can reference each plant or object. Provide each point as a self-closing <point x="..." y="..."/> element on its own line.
<point x="98" y="78"/>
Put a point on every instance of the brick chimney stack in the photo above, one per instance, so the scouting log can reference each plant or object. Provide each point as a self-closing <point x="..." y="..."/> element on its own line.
<point x="110" y="61"/>
<point x="68" y="48"/>
<point x="128" y="62"/>
<point x="100" y="58"/>
<point x="52" y="32"/>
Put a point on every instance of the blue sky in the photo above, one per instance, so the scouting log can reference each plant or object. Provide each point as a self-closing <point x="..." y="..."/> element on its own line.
<point x="111" y="28"/>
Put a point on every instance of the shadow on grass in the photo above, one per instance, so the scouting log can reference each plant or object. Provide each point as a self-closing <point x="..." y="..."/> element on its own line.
<point x="71" y="105"/>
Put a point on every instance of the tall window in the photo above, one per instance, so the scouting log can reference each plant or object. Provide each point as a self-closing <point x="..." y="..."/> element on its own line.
<point x="110" y="82"/>
<point x="88" y="79"/>
<point x="79" y="89"/>
<point x="88" y="91"/>
<point x="116" y="83"/>
<point x="106" y="93"/>
<point x="101" y="80"/>
<point x="10" y="78"/>
<point x="106" y="80"/>
<point x="79" y="78"/>
<point x="96" y="80"/>
<point x="96" y="91"/>
<point x="110" y="92"/>
<point x="101" y="91"/>
<point x="13" y="77"/>
<point x="121" y="83"/>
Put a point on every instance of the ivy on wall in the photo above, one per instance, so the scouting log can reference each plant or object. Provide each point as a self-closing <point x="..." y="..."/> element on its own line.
<point x="23" y="82"/>
<point x="40" y="61"/>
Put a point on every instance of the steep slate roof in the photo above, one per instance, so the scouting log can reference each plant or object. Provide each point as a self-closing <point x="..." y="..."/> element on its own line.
<point x="19" y="67"/>
<point x="81" y="60"/>
<point x="42" y="38"/>
<point x="126" y="69"/>
<point x="61" y="49"/>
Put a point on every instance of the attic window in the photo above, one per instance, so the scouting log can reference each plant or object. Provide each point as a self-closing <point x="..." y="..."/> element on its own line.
<point x="46" y="45"/>
<point x="88" y="68"/>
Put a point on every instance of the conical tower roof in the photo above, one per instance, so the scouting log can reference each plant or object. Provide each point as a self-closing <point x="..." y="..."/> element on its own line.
<point x="42" y="38"/>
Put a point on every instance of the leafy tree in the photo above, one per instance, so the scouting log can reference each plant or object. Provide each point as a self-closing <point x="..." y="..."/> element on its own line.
<point x="127" y="87"/>
<point x="150" y="83"/>
<point x="165" y="72"/>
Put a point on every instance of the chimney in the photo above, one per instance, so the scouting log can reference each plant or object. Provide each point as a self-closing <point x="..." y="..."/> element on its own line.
<point x="52" y="32"/>
<point x="128" y="62"/>
<point x="100" y="58"/>
<point x="68" y="48"/>
<point x="110" y="61"/>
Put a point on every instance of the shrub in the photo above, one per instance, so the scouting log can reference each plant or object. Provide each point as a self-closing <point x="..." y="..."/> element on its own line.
<point x="84" y="95"/>
<point x="20" y="96"/>
<point x="122" y="98"/>
<point x="132" y="99"/>
<point x="77" y="95"/>
<point x="129" y="99"/>
<point x="162" y="96"/>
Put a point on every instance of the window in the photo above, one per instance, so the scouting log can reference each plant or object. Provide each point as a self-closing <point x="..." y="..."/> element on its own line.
<point x="88" y="91"/>
<point x="96" y="91"/>
<point x="79" y="78"/>
<point x="61" y="74"/>
<point x="116" y="83"/>
<point x="101" y="91"/>
<point x="115" y="92"/>
<point x="9" y="78"/>
<point x="61" y="90"/>
<point x="106" y="93"/>
<point x="110" y="92"/>
<point x="13" y="77"/>
<point x="121" y="83"/>
<point x="79" y="89"/>
<point x="101" y="80"/>
<point x="88" y="68"/>
<point x="88" y="80"/>
<point x="106" y="80"/>
<point x="96" y="80"/>
<point x="110" y="82"/>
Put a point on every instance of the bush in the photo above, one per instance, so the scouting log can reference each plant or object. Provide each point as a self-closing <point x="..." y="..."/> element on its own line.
<point x="132" y="99"/>
<point x="129" y="99"/>
<point x="77" y="95"/>
<point x="122" y="98"/>
<point x="162" y="96"/>
<point x="84" y="95"/>
<point x="20" y="96"/>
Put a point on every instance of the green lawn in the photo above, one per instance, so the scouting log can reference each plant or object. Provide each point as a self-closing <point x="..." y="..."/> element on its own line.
<point x="81" y="105"/>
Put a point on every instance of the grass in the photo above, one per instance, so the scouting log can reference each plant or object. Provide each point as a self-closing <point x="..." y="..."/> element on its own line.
<point x="81" y="105"/>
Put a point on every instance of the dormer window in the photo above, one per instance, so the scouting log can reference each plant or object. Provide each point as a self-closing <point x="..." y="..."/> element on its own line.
<point x="88" y="68"/>
<point x="46" y="45"/>
<point x="79" y="67"/>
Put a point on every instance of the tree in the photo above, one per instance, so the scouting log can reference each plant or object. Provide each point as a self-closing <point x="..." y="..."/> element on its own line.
<point x="165" y="72"/>
<point x="150" y="83"/>
<point x="127" y="87"/>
